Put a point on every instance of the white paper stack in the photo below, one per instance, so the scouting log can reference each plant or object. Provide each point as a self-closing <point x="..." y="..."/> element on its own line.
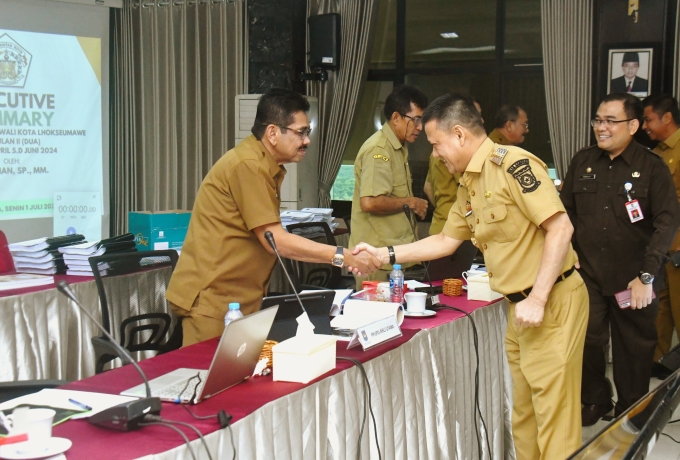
<point x="322" y="215"/>
<point x="76" y="257"/>
<point x="295" y="217"/>
<point x="41" y="256"/>
<point x="23" y="280"/>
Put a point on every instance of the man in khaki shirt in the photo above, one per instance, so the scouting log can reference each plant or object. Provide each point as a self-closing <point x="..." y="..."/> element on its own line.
<point x="509" y="208"/>
<point x="441" y="188"/>
<point x="512" y="124"/>
<point x="226" y="257"/>
<point x="383" y="178"/>
<point x="662" y="122"/>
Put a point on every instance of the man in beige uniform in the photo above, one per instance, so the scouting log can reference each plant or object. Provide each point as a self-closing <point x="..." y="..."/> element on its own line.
<point x="441" y="188"/>
<point x="511" y="123"/>
<point x="509" y="208"/>
<point x="383" y="178"/>
<point x="662" y="122"/>
<point x="226" y="257"/>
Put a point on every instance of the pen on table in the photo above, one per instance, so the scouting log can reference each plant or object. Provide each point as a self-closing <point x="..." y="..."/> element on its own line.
<point x="79" y="404"/>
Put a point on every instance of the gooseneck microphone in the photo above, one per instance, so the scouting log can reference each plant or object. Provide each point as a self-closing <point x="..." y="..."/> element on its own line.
<point x="270" y="239"/>
<point x="434" y="298"/>
<point x="125" y="416"/>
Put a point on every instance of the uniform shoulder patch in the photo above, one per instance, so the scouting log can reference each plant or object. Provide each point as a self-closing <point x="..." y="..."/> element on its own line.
<point x="498" y="155"/>
<point x="521" y="170"/>
<point x="378" y="156"/>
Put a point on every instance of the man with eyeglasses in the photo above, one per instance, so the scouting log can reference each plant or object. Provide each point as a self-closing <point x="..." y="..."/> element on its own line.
<point x="383" y="183"/>
<point x="622" y="203"/>
<point x="512" y="123"/>
<point x="226" y="257"/>
<point x="662" y="124"/>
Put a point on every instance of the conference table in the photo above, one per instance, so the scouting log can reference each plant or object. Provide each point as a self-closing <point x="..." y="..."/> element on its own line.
<point x="422" y="395"/>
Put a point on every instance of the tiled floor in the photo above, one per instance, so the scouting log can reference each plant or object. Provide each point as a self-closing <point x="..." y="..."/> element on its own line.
<point x="665" y="448"/>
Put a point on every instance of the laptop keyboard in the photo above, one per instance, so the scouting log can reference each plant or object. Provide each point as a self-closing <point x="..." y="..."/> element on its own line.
<point x="183" y="391"/>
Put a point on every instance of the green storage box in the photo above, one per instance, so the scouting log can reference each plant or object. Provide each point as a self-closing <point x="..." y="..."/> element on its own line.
<point x="160" y="229"/>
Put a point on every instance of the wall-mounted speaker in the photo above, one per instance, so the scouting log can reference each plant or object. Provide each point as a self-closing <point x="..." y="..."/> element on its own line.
<point x="324" y="41"/>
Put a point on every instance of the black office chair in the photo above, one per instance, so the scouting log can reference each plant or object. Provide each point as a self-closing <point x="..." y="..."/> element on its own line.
<point x="11" y="390"/>
<point x="348" y="222"/>
<point x="309" y="275"/>
<point x="134" y="309"/>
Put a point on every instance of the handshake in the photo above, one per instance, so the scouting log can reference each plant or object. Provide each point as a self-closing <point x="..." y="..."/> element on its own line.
<point x="365" y="259"/>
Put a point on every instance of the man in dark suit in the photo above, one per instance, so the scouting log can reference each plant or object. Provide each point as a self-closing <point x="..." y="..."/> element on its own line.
<point x="629" y="82"/>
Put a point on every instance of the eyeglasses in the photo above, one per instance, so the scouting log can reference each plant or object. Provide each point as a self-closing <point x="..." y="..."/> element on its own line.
<point x="416" y="120"/>
<point x="595" y="122"/>
<point x="300" y="132"/>
<point x="526" y="125"/>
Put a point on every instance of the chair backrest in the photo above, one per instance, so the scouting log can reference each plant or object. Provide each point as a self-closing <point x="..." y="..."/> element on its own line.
<point x="348" y="222"/>
<point x="6" y="261"/>
<point x="311" y="275"/>
<point x="132" y="289"/>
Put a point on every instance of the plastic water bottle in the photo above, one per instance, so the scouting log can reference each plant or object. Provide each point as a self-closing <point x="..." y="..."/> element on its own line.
<point x="233" y="313"/>
<point x="397" y="284"/>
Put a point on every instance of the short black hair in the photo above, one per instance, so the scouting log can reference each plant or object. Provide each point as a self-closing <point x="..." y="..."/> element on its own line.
<point x="631" y="104"/>
<point x="400" y="100"/>
<point x="662" y="104"/>
<point x="507" y="112"/>
<point x="277" y="106"/>
<point x="454" y="109"/>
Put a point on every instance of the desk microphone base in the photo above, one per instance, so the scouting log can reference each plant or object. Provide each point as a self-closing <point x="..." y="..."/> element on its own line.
<point x="127" y="416"/>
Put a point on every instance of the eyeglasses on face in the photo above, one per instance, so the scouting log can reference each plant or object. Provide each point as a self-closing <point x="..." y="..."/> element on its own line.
<point x="595" y="122"/>
<point x="303" y="133"/>
<point x="526" y="125"/>
<point x="416" y="120"/>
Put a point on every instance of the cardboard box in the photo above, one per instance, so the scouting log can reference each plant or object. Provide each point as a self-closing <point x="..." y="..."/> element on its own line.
<point x="303" y="358"/>
<point x="159" y="230"/>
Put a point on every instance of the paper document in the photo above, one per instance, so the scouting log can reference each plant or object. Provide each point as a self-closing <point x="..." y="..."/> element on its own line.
<point x="412" y="284"/>
<point x="359" y="313"/>
<point x="60" y="398"/>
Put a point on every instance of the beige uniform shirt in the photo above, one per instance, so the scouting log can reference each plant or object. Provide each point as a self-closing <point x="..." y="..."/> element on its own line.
<point x="444" y="189"/>
<point x="498" y="138"/>
<point x="504" y="196"/>
<point x="669" y="150"/>
<point x="381" y="168"/>
<point x="222" y="260"/>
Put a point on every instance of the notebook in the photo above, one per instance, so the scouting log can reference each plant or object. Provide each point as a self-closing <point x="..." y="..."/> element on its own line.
<point x="234" y="361"/>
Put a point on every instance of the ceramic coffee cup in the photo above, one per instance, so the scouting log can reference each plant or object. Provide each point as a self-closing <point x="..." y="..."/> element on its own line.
<point x="415" y="302"/>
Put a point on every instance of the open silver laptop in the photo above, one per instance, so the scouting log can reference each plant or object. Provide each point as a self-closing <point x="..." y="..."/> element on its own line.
<point x="234" y="361"/>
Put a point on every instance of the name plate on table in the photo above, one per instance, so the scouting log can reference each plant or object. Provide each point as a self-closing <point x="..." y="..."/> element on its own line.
<point x="375" y="333"/>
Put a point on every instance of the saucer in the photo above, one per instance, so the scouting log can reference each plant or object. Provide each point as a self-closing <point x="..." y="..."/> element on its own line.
<point x="423" y="314"/>
<point x="25" y="450"/>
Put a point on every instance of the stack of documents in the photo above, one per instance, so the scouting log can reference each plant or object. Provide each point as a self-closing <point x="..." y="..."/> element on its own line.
<point x="77" y="256"/>
<point x="23" y="280"/>
<point x="295" y="217"/>
<point x="41" y="256"/>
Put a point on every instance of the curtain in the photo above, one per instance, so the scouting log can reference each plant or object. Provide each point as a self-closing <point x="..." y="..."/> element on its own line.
<point x="339" y="96"/>
<point x="676" y="60"/>
<point x="566" y="27"/>
<point x="177" y="66"/>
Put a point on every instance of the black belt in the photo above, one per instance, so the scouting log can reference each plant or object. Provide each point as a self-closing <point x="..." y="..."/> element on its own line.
<point x="521" y="295"/>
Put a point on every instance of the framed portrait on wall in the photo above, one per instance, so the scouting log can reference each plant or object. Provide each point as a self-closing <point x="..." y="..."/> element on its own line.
<point x="630" y="71"/>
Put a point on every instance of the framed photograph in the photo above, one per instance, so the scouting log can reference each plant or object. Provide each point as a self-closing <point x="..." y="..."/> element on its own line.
<point x="630" y="71"/>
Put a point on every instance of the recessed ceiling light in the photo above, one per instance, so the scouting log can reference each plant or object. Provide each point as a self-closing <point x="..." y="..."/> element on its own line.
<point x="449" y="35"/>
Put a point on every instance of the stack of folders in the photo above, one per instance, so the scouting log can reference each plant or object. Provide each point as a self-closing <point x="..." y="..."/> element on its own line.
<point x="77" y="256"/>
<point x="322" y="215"/>
<point x="42" y="256"/>
<point x="24" y="280"/>
<point x="309" y="215"/>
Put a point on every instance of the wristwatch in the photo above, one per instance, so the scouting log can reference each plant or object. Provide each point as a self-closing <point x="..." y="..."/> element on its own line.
<point x="646" y="278"/>
<point x="339" y="258"/>
<point x="393" y="257"/>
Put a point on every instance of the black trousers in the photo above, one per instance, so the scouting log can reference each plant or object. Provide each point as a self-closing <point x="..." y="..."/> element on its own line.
<point x="634" y="336"/>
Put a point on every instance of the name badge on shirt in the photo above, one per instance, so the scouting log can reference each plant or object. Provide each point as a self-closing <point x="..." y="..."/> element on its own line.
<point x="634" y="211"/>
<point x="587" y="177"/>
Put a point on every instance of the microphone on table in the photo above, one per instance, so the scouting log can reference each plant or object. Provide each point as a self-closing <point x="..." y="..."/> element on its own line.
<point x="304" y="318"/>
<point x="128" y="415"/>
<point x="433" y="299"/>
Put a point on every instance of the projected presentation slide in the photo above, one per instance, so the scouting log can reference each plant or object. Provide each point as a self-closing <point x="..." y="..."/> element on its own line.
<point x="51" y="129"/>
